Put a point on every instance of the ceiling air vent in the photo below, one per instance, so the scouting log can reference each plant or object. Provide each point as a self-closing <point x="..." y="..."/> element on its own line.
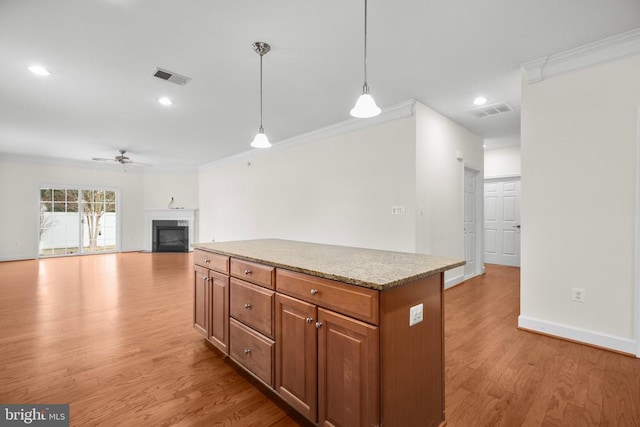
<point x="491" y="110"/>
<point x="170" y="76"/>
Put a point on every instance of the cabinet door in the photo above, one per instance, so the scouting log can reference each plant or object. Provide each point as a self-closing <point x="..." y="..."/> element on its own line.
<point x="219" y="314"/>
<point x="296" y="354"/>
<point x="201" y="300"/>
<point x="348" y="384"/>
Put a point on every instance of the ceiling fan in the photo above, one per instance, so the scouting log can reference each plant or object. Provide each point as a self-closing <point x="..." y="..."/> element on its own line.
<point x="122" y="159"/>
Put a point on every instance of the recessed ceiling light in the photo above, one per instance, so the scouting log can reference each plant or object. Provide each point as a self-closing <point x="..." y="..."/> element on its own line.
<point x="481" y="100"/>
<point x="165" y="101"/>
<point x="39" y="70"/>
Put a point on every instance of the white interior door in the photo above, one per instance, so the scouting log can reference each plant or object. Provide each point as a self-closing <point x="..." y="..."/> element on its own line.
<point x="502" y="222"/>
<point x="470" y="236"/>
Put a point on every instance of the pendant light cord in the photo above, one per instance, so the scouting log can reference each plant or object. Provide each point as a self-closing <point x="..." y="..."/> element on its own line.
<point x="261" y="128"/>
<point x="365" y="43"/>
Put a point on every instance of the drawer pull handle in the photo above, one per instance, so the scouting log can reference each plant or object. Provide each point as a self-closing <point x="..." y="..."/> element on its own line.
<point x="207" y="261"/>
<point x="247" y="306"/>
<point x="309" y="319"/>
<point x="318" y="325"/>
<point x="247" y="351"/>
<point x="314" y="292"/>
<point x="247" y="272"/>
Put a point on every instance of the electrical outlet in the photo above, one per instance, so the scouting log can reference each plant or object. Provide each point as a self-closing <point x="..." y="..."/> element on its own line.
<point x="397" y="210"/>
<point x="578" y="294"/>
<point x="416" y="314"/>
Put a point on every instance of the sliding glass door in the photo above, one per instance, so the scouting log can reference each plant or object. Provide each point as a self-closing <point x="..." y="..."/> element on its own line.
<point x="77" y="221"/>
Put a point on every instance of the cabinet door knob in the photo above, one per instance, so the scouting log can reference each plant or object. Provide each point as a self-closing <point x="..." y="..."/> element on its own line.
<point x="207" y="261"/>
<point x="314" y="292"/>
<point x="247" y="351"/>
<point x="247" y="272"/>
<point x="318" y="325"/>
<point x="309" y="319"/>
<point x="247" y="305"/>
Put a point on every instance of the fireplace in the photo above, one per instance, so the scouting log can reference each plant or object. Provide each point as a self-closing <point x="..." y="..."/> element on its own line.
<point x="170" y="236"/>
<point x="168" y="218"/>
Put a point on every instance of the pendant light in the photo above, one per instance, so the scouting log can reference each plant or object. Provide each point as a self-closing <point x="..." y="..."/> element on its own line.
<point x="365" y="105"/>
<point x="261" y="140"/>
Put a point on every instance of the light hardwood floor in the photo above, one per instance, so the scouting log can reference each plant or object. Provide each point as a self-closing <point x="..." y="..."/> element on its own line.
<point x="112" y="336"/>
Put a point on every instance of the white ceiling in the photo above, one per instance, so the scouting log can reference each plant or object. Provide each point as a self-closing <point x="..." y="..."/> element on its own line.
<point x="101" y="95"/>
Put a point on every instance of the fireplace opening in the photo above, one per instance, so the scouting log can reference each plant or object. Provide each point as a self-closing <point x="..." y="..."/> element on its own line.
<point x="170" y="236"/>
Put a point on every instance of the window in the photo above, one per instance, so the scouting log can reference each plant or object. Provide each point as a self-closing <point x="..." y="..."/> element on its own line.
<point x="76" y="221"/>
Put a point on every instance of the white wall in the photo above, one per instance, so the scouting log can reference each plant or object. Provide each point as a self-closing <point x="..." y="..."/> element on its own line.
<point x="440" y="184"/>
<point x="20" y="178"/>
<point x="579" y="141"/>
<point x="502" y="162"/>
<point x="160" y="184"/>
<point x="338" y="190"/>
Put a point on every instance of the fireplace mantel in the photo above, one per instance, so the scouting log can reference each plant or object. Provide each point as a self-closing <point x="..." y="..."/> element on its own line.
<point x="189" y="215"/>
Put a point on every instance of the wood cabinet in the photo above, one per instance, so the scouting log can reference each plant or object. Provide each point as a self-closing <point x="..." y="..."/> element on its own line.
<point x="253" y="351"/>
<point x="260" y="274"/>
<point x="201" y="300"/>
<point x="341" y="355"/>
<point x="326" y="363"/>
<point x="348" y="367"/>
<point x="211" y="298"/>
<point x="253" y="306"/>
<point x="252" y="310"/>
<point x="296" y="354"/>
<point x="219" y="310"/>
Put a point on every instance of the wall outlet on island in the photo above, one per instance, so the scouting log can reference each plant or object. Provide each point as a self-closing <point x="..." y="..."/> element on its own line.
<point x="578" y="294"/>
<point x="416" y="314"/>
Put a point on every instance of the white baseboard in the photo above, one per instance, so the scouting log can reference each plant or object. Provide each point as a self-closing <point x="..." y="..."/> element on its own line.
<point x="450" y="283"/>
<point x="16" y="258"/>
<point x="597" y="339"/>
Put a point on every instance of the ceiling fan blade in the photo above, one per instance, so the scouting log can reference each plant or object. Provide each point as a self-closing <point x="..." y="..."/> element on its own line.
<point x="121" y="159"/>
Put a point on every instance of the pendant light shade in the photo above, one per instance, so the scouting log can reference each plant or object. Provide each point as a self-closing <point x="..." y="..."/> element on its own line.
<point x="365" y="105"/>
<point x="261" y="140"/>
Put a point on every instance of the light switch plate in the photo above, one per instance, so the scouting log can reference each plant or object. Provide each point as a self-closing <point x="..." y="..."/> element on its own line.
<point x="416" y="314"/>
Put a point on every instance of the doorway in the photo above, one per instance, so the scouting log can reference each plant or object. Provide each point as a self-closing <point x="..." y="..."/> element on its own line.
<point x="502" y="221"/>
<point x="77" y="221"/>
<point x="472" y="201"/>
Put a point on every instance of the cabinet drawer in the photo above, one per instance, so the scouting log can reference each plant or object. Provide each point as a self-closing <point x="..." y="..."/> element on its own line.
<point x="210" y="260"/>
<point x="252" y="350"/>
<point x="253" y="306"/>
<point x="354" y="301"/>
<point x="253" y="272"/>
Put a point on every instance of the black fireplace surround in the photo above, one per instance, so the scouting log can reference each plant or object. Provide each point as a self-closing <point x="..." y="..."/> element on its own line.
<point x="170" y="236"/>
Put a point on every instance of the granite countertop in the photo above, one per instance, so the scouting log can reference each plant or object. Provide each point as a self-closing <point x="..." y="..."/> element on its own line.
<point x="370" y="268"/>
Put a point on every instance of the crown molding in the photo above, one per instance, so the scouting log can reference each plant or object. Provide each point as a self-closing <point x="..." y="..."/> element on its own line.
<point x="605" y="50"/>
<point x="402" y="110"/>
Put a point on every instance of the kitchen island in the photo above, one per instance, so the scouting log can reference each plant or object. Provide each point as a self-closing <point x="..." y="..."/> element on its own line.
<point x="346" y="336"/>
